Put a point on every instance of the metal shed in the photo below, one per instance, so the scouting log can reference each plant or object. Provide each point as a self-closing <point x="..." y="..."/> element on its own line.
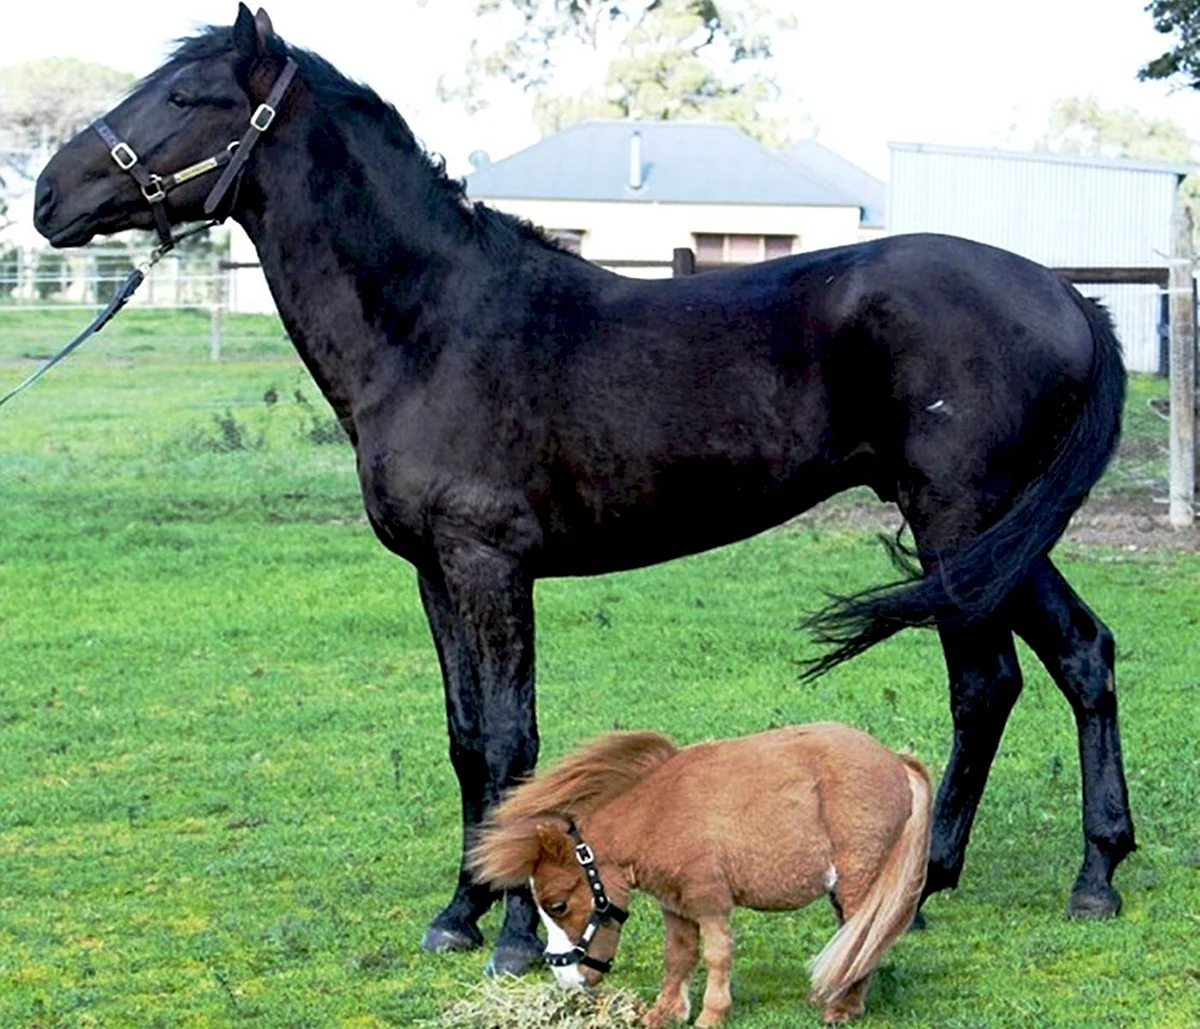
<point x="1061" y="210"/>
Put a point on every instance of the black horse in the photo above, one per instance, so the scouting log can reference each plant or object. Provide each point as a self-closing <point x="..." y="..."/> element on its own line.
<point x="517" y="412"/>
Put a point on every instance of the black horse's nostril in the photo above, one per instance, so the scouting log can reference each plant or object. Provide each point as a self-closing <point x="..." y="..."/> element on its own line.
<point x="44" y="201"/>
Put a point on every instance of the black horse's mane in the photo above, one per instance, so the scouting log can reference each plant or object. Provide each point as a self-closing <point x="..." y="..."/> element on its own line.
<point x="336" y="93"/>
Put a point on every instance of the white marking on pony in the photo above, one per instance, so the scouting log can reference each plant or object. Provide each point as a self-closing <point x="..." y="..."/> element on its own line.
<point x="831" y="878"/>
<point x="558" y="942"/>
<point x="937" y="404"/>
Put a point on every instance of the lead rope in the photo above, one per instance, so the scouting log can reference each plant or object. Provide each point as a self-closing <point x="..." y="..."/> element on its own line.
<point x="127" y="288"/>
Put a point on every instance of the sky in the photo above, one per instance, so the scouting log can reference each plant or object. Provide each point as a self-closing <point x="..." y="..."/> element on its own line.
<point x="866" y="72"/>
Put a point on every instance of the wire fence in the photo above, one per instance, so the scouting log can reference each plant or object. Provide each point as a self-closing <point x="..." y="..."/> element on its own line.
<point x="47" y="279"/>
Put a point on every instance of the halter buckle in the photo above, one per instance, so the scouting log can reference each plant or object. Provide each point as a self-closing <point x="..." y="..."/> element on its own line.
<point x="153" y="190"/>
<point x="584" y="855"/>
<point x="124" y="150"/>
<point x="262" y="117"/>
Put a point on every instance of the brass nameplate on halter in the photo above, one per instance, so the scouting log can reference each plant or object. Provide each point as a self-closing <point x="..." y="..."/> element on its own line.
<point x="192" y="170"/>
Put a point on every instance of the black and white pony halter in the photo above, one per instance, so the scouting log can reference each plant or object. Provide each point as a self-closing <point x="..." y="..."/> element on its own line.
<point x="603" y="912"/>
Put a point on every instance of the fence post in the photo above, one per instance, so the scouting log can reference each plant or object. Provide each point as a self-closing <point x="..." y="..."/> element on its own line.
<point x="683" y="262"/>
<point x="26" y="274"/>
<point x="214" y="345"/>
<point x="1183" y="375"/>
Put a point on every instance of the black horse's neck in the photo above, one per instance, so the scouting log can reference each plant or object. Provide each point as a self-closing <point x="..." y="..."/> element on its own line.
<point x="368" y="247"/>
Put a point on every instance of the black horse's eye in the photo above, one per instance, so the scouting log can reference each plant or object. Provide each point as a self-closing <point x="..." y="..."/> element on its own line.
<point x="557" y="910"/>
<point x="177" y="99"/>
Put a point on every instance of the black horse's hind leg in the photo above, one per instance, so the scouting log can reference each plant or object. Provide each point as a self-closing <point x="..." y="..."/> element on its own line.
<point x="481" y="616"/>
<point x="985" y="681"/>
<point x="1077" y="649"/>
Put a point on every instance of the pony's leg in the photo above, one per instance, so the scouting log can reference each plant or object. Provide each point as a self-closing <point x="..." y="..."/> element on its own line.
<point x="857" y="868"/>
<point x="849" y="1005"/>
<point x="481" y="616"/>
<point x="679" y="959"/>
<point x="717" y="940"/>
<point x="985" y="681"/>
<point x="1077" y="649"/>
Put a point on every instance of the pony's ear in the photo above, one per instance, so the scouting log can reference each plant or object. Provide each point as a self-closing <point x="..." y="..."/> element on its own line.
<point x="555" y="844"/>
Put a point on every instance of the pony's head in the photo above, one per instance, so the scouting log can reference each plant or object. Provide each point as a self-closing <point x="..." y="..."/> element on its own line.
<point x="193" y="107"/>
<point x="581" y="935"/>
<point x="531" y="839"/>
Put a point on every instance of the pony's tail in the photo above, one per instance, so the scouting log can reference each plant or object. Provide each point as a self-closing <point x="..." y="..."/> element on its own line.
<point x="889" y="906"/>
<point x="971" y="582"/>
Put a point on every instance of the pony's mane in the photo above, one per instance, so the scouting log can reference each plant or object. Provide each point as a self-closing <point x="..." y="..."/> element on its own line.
<point x="597" y="773"/>
<point x="336" y="92"/>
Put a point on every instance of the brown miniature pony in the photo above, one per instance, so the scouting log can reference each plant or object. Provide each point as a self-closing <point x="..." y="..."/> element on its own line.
<point x="770" y="821"/>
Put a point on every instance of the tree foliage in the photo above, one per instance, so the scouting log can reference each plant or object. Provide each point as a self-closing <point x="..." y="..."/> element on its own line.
<point x="1180" y="19"/>
<point x="653" y="59"/>
<point x="45" y="102"/>
<point x="1080" y="125"/>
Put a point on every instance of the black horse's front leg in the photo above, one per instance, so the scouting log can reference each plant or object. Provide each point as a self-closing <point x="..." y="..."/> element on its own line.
<point x="481" y="614"/>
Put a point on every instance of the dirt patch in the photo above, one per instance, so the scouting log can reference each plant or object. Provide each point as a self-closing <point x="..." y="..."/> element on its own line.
<point x="1131" y="523"/>
<point x="1119" y="520"/>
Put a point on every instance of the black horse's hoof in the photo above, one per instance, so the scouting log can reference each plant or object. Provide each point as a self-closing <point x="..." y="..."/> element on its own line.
<point x="1103" y="903"/>
<point x="918" y="923"/>
<point x="518" y="957"/>
<point x="440" y="939"/>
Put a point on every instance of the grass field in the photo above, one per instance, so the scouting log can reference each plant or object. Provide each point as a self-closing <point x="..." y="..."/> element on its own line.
<point x="225" y="797"/>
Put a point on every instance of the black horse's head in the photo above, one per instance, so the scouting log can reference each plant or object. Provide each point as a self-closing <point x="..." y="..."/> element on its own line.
<point x="192" y="108"/>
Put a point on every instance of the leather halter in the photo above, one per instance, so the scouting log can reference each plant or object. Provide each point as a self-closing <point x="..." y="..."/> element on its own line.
<point x="603" y="912"/>
<point x="233" y="159"/>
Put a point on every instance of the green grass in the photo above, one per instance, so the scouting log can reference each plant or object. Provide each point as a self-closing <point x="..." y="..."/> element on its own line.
<point x="225" y="797"/>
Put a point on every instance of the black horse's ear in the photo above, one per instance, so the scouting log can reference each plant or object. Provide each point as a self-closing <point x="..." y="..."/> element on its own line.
<point x="262" y="23"/>
<point x="254" y="35"/>
<point x="245" y="33"/>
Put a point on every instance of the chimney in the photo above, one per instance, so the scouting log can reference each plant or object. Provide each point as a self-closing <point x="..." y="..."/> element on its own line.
<point x="635" y="160"/>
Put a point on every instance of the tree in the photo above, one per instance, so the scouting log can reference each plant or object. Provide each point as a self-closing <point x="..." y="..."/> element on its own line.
<point x="43" y="103"/>
<point x="654" y="59"/>
<point x="1079" y="125"/>
<point x="1180" y="18"/>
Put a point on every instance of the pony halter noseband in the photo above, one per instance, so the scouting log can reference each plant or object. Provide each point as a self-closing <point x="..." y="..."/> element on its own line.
<point x="233" y="159"/>
<point x="603" y="912"/>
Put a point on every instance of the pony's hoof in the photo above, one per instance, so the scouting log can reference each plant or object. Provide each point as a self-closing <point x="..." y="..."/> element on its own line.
<point x="516" y="958"/>
<point x="440" y="939"/>
<point x="1102" y="903"/>
<point x="918" y="924"/>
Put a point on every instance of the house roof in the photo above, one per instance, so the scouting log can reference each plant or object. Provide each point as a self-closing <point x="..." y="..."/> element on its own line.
<point x="1120" y="163"/>
<point x="681" y="162"/>
<point x="868" y="191"/>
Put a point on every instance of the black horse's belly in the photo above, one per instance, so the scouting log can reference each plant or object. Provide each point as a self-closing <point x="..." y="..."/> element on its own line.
<point x="595" y="528"/>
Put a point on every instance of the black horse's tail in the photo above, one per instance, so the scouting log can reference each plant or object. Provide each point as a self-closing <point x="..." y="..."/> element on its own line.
<point x="973" y="581"/>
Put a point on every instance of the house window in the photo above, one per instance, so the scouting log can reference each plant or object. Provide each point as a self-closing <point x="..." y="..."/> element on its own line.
<point x="568" y="239"/>
<point x="716" y="248"/>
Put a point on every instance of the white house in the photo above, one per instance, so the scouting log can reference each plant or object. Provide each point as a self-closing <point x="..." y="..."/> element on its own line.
<point x="625" y="194"/>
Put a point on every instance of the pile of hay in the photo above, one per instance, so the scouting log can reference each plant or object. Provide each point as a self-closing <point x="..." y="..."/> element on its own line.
<point x="512" y="1004"/>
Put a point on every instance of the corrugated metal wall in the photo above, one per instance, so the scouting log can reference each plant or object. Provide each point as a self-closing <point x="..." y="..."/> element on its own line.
<point x="1057" y="210"/>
